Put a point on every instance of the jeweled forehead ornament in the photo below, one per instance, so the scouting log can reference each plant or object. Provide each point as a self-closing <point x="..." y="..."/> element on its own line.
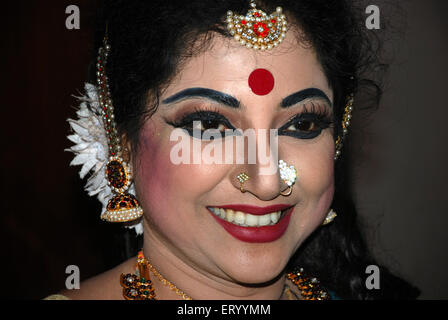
<point x="257" y="29"/>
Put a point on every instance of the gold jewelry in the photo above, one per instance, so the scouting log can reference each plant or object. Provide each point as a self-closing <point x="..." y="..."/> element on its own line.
<point x="167" y="283"/>
<point x="242" y="177"/>
<point x="257" y="29"/>
<point x="123" y="207"/>
<point x="291" y="295"/>
<point x="345" y="124"/>
<point x="330" y="217"/>
<point x="289" y="176"/>
<point x="286" y="192"/>
<point x="139" y="286"/>
<point x="310" y="287"/>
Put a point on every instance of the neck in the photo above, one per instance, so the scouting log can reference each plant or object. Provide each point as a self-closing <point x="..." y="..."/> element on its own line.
<point x="198" y="282"/>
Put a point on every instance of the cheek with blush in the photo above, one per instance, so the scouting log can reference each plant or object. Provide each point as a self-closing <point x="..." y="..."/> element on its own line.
<point x="316" y="185"/>
<point x="161" y="188"/>
<point x="166" y="187"/>
<point x="158" y="181"/>
<point x="152" y="168"/>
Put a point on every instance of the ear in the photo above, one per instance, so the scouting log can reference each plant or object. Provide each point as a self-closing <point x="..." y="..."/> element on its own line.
<point x="126" y="149"/>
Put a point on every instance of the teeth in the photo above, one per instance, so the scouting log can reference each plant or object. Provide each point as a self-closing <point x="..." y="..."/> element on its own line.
<point x="240" y="218"/>
<point x="230" y="216"/>
<point x="246" y="219"/>
<point x="264" y="220"/>
<point x="274" y="217"/>
<point x="222" y="213"/>
<point x="251" y="220"/>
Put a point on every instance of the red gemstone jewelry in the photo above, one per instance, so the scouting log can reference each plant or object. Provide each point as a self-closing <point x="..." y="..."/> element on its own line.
<point x="123" y="207"/>
<point x="257" y="29"/>
<point x="140" y="287"/>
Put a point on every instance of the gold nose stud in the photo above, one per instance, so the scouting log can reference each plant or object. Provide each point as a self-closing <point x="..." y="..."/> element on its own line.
<point x="242" y="177"/>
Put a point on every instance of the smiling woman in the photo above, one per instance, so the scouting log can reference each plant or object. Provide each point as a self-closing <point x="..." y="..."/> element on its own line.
<point x="228" y="230"/>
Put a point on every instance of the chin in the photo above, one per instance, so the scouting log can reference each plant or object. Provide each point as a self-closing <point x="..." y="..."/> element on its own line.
<point x="256" y="271"/>
<point x="257" y="278"/>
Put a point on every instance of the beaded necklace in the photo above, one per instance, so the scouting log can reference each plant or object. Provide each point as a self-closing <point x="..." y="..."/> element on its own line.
<point x="139" y="286"/>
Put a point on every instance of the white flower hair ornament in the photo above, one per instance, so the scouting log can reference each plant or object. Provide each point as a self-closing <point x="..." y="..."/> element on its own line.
<point x="97" y="149"/>
<point x="90" y="145"/>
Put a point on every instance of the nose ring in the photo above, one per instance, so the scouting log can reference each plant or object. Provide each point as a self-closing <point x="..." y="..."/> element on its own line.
<point x="242" y="177"/>
<point x="289" y="176"/>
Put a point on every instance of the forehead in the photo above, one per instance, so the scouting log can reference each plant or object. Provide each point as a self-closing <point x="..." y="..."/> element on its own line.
<point x="226" y="66"/>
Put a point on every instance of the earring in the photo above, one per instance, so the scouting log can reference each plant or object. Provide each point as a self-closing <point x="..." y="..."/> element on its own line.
<point x="345" y="125"/>
<point x="330" y="217"/>
<point x="123" y="206"/>
<point x="288" y="175"/>
<point x="242" y="177"/>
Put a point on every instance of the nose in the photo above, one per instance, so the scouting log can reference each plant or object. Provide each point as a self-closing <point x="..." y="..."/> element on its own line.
<point x="265" y="187"/>
<point x="259" y="174"/>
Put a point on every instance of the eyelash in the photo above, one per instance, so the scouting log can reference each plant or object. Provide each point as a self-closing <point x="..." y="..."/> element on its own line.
<point x="202" y="114"/>
<point x="319" y="118"/>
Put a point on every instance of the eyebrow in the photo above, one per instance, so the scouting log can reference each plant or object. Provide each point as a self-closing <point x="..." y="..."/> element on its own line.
<point x="299" y="96"/>
<point x="228" y="100"/>
<point x="220" y="97"/>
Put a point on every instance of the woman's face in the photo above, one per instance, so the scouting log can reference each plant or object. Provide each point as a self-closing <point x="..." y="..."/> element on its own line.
<point x="180" y="199"/>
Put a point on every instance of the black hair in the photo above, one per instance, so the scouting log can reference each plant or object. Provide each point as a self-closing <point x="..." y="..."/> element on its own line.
<point x="150" y="40"/>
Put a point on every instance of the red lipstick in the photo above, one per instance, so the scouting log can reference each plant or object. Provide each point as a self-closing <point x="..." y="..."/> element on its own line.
<point x="257" y="234"/>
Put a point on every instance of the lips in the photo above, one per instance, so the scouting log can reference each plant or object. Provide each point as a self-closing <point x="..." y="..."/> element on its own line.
<point x="253" y="224"/>
<point x="256" y="210"/>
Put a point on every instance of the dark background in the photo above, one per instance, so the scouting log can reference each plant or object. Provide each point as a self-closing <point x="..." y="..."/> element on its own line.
<point x="48" y="222"/>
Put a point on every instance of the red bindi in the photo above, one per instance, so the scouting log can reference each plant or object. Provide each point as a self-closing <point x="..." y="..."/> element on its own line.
<point x="261" y="81"/>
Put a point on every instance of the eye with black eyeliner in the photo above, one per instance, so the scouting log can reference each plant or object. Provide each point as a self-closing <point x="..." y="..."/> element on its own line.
<point x="211" y="121"/>
<point x="307" y="125"/>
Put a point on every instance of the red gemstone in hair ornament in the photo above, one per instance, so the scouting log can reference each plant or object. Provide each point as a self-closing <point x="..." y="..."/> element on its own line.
<point x="257" y="29"/>
<point x="123" y="206"/>
<point x="261" y="29"/>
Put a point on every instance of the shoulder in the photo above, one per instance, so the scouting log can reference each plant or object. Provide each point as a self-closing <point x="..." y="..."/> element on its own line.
<point x="105" y="286"/>
<point x="56" y="297"/>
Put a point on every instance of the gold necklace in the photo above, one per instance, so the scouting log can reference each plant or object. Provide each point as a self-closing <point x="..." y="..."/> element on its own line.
<point x="139" y="286"/>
